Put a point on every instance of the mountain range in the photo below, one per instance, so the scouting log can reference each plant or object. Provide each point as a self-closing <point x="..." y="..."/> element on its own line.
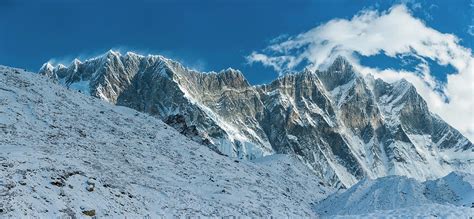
<point x="343" y="125"/>
<point x="143" y="136"/>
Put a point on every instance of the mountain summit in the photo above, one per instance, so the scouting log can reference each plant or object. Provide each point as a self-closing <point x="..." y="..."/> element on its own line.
<point x="344" y="126"/>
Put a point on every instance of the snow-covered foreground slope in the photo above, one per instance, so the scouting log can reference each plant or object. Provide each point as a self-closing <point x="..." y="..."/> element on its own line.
<point x="64" y="153"/>
<point x="450" y="196"/>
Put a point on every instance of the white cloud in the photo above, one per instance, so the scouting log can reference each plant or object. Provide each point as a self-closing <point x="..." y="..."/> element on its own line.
<point x="395" y="33"/>
<point x="470" y="30"/>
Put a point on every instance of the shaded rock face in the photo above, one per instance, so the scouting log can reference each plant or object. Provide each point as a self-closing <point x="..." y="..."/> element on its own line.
<point x="178" y="122"/>
<point x="345" y="126"/>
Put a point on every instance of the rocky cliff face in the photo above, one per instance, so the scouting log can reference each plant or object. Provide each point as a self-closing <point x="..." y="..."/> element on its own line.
<point x="343" y="125"/>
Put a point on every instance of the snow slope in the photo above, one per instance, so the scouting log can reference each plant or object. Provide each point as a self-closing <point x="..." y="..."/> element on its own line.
<point x="67" y="154"/>
<point x="450" y="196"/>
<point x="416" y="211"/>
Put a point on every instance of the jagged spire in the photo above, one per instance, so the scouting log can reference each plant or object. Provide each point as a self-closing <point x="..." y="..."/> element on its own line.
<point x="340" y="64"/>
<point x="112" y="52"/>
<point x="46" y="67"/>
<point x="339" y="73"/>
<point x="76" y="61"/>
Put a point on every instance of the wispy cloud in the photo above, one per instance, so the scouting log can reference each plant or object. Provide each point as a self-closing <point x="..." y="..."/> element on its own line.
<point x="395" y="33"/>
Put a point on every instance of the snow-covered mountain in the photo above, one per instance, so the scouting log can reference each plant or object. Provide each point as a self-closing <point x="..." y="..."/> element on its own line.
<point x="341" y="124"/>
<point x="68" y="155"/>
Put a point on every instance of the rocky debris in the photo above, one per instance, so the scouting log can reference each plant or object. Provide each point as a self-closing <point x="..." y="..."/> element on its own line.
<point x="62" y="193"/>
<point x="90" y="184"/>
<point x="90" y="213"/>
<point x="61" y="179"/>
<point x="58" y="182"/>
<point x="91" y="181"/>
<point x="90" y="188"/>
<point x="82" y="133"/>
<point x="69" y="213"/>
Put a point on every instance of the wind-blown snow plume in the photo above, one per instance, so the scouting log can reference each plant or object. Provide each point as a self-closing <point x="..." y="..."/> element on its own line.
<point x="394" y="33"/>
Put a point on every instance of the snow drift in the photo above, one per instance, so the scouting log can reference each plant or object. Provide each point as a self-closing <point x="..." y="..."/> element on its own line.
<point x="397" y="195"/>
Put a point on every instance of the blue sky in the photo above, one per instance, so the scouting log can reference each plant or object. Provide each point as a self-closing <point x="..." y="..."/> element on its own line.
<point x="206" y="34"/>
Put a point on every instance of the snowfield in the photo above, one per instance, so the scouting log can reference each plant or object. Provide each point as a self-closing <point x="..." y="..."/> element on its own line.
<point x="451" y="196"/>
<point x="65" y="154"/>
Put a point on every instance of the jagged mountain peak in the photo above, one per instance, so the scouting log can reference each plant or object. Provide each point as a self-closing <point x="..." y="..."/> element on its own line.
<point x="304" y="74"/>
<point x="227" y="71"/>
<point x="404" y="85"/>
<point x="47" y="67"/>
<point x="396" y="90"/>
<point x="76" y="61"/>
<point x="233" y="78"/>
<point x="113" y="52"/>
<point x="340" y="64"/>
<point x="339" y="73"/>
<point x="343" y="125"/>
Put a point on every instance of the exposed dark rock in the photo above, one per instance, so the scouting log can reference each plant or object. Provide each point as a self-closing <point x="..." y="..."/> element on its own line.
<point x="326" y="117"/>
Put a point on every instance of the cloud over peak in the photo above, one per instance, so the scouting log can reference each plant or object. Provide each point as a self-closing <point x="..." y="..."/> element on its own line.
<point x="394" y="33"/>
